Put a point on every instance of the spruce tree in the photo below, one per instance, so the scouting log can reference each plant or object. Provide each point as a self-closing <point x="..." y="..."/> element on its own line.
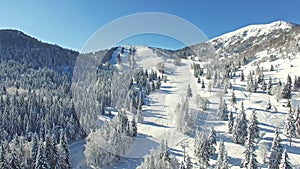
<point x="201" y="150"/>
<point x="289" y="128"/>
<point x="51" y="152"/>
<point x="220" y="158"/>
<point x="276" y="152"/>
<point x="3" y="160"/>
<point x="212" y="141"/>
<point x="253" y="125"/>
<point x="41" y="161"/>
<point x="222" y="110"/>
<point x="253" y="164"/>
<point x="285" y="164"/>
<point x="64" y="151"/>
<point x="189" y="91"/>
<point x="269" y="87"/>
<point x="233" y="98"/>
<point x="133" y="127"/>
<point x="189" y="164"/>
<point x="230" y="122"/>
<point x="240" y="128"/>
<point x="242" y="76"/>
<point x="249" y="160"/>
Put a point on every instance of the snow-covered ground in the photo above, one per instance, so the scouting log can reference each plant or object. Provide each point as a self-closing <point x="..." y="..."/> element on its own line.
<point x="159" y="117"/>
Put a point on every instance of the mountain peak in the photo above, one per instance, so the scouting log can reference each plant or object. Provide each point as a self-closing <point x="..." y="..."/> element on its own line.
<point x="252" y="31"/>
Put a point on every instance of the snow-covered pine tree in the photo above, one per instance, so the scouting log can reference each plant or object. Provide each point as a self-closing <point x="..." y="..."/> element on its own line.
<point x="287" y="90"/>
<point x="3" y="162"/>
<point x="201" y="150"/>
<point x="222" y="110"/>
<point x="269" y="105"/>
<point x="249" y="155"/>
<point x="41" y="161"/>
<point x="184" y="117"/>
<point x="212" y="140"/>
<point x="264" y="86"/>
<point x="202" y="84"/>
<point x="225" y="164"/>
<point x="263" y="151"/>
<point x="64" y="152"/>
<point x="240" y="128"/>
<point x="189" y="164"/>
<point x="51" y="152"/>
<point x="133" y="127"/>
<point x="160" y="159"/>
<point x="269" y="87"/>
<point x="233" y="98"/>
<point x="253" y="164"/>
<point x="14" y="161"/>
<point x="220" y="159"/>
<point x="285" y="164"/>
<point x="289" y="127"/>
<point x="230" y="122"/>
<point x="276" y="152"/>
<point x="189" y="91"/>
<point x="242" y="76"/>
<point x="253" y="125"/>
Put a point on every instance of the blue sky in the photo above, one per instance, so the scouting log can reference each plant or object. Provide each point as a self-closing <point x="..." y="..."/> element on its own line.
<point x="70" y="23"/>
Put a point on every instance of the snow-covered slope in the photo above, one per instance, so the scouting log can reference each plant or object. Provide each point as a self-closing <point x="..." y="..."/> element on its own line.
<point x="256" y="43"/>
<point x="254" y="31"/>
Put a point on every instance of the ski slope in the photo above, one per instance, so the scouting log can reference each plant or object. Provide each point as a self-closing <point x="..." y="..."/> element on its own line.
<point x="159" y="118"/>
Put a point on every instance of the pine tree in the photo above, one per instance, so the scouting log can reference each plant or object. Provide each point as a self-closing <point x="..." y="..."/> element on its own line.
<point x="269" y="87"/>
<point x="289" y="128"/>
<point x="287" y="90"/>
<point x="263" y="151"/>
<point x="242" y="76"/>
<point x="269" y="105"/>
<point x="249" y="159"/>
<point x="189" y="164"/>
<point x="202" y="84"/>
<point x="230" y="122"/>
<point x="276" y="152"/>
<point x="41" y="161"/>
<point x="272" y="67"/>
<point x="253" y="125"/>
<point x="51" y="152"/>
<point x="34" y="146"/>
<point x="64" y="151"/>
<point x="240" y="129"/>
<point x="3" y="160"/>
<point x="189" y="91"/>
<point x="201" y="150"/>
<point x="140" y="116"/>
<point x="220" y="158"/>
<point x="253" y="164"/>
<point x="225" y="164"/>
<point x="133" y="127"/>
<point x="222" y="110"/>
<point x="14" y="161"/>
<point x="212" y="141"/>
<point x="233" y="98"/>
<point x="285" y="164"/>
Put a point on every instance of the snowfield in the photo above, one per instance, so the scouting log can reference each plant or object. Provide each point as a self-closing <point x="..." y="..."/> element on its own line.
<point x="160" y="118"/>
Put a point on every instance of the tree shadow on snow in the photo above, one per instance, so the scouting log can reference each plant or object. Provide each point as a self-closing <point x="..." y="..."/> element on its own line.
<point x="155" y="124"/>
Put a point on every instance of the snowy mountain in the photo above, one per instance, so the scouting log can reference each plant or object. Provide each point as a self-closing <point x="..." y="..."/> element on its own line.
<point x="250" y="50"/>
<point x="145" y="107"/>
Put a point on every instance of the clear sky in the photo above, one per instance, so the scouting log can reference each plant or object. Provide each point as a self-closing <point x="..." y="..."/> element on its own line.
<point x="69" y="23"/>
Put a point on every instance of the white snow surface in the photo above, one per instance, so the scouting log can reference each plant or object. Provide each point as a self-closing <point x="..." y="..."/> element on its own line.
<point x="159" y="117"/>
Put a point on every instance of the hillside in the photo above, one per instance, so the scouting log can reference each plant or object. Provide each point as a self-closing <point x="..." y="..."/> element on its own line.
<point x="250" y="49"/>
<point x="114" y="107"/>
